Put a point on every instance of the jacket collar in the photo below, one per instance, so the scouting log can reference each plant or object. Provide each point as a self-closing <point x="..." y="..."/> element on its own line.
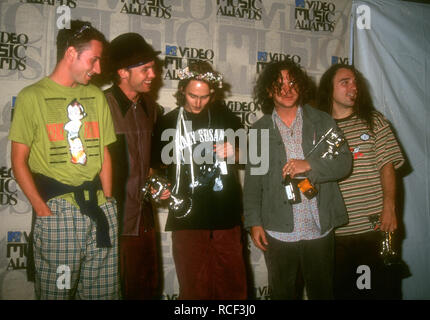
<point x="125" y="103"/>
<point x="309" y="134"/>
<point x="307" y="114"/>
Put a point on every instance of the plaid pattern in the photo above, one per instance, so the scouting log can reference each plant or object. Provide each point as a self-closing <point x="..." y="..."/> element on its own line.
<point x="68" y="239"/>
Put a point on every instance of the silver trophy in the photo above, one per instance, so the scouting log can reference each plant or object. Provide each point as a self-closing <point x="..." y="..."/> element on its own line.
<point x="155" y="186"/>
<point x="390" y="258"/>
<point x="334" y="139"/>
<point x="388" y="254"/>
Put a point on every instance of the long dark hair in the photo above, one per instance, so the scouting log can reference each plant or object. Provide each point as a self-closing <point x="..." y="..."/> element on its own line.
<point x="363" y="106"/>
<point x="268" y="82"/>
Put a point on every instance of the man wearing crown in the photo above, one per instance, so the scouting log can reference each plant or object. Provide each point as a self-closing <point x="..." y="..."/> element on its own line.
<point x="206" y="238"/>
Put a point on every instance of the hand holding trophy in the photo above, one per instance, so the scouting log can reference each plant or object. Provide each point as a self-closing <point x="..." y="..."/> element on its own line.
<point x="294" y="184"/>
<point x="154" y="189"/>
<point x="390" y="257"/>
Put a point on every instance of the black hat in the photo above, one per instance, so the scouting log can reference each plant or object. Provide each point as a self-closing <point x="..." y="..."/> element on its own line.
<point x="130" y="50"/>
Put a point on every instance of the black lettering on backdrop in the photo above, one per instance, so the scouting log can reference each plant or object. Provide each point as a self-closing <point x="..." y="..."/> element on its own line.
<point x="8" y="188"/>
<point x="244" y="9"/>
<point x="148" y="8"/>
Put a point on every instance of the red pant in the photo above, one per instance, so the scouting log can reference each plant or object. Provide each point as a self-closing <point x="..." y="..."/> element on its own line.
<point x="210" y="264"/>
<point x="140" y="266"/>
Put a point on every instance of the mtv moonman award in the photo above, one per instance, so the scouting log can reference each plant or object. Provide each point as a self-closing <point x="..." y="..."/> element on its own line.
<point x="333" y="139"/>
<point x="155" y="186"/>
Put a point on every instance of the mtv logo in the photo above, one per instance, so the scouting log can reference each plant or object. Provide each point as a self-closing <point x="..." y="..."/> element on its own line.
<point x="12" y="108"/>
<point x="336" y="60"/>
<point x="300" y="3"/>
<point x="171" y="50"/>
<point x="262" y="56"/>
<point x="14" y="236"/>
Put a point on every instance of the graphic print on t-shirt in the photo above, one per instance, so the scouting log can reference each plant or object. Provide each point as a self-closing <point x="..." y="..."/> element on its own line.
<point x="83" y="124"/>
<point x="209" y="167"/>
<point x="75" y="112"/>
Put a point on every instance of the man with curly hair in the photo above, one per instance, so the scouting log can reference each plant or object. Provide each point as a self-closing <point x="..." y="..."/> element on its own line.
<point x="370" y="190"/>
<point x="295" y="234"/>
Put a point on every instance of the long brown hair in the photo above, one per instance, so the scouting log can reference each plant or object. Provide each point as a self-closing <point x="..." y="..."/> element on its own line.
<point x="363" y="106"/>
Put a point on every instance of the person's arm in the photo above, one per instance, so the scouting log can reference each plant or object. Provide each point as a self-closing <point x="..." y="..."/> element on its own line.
<point x="258" y="236"/>
<point x="252" y="199"/>
<point x="388" y="180"/>
<point x="295" y="167"/>
<point x="106" y="173"/>
<point x="19" y="156"/>
<point x="324" y="169"/>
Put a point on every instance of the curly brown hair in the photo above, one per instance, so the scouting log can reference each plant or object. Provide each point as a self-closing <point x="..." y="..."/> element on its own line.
<point x="268" y="82"/>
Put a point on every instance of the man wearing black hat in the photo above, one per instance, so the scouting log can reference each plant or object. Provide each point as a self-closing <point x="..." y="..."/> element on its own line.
<point x="134" y="112"/>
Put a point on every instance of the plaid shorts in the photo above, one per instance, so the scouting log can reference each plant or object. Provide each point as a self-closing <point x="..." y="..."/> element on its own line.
<point x="68" y="263"/>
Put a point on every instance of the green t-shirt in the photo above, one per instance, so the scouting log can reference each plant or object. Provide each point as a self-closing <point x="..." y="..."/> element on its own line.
<point x="66" y="129"/>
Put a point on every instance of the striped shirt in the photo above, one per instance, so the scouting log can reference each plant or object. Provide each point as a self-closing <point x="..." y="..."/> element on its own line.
<point x="305" y="214"/>
<point x="362" y="190"/>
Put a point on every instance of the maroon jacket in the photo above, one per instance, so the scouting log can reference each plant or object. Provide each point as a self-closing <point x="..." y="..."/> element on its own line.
<point x="131" y="155"/>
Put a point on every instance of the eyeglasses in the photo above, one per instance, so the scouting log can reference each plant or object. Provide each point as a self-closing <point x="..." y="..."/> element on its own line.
<point x="291" y="83"/>
<point x="78" y="34"/>
<point x="284" y="86"/>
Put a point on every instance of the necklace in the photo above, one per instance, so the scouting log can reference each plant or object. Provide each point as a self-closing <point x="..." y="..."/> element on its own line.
<point x="183" y="134"/>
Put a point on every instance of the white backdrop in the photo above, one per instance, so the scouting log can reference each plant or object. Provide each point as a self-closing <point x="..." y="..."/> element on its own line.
<point x="238" y="37"/>
<point x="392" y="50"/>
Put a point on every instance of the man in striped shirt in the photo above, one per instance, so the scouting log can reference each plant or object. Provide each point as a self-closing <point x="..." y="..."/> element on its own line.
<point x="369" y="191"/>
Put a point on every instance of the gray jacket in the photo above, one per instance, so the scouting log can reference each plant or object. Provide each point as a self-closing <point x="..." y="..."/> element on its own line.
<point x="265" y="200"/>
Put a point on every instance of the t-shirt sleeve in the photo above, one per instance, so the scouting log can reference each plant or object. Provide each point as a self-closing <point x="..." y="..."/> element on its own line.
<point x="22" y="128"/>
<point x="109" y="135"/>
<point x="387" y="147"/>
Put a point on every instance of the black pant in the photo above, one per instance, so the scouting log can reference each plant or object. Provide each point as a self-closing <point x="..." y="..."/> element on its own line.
<point x="315" y="258"/>
<point x="363" y="250"/>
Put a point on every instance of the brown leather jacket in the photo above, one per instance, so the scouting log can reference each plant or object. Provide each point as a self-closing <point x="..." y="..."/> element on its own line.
<point x="131" y="155"/>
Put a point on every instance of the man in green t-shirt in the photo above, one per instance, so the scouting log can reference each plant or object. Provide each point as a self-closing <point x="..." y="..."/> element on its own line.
<point x="60" y="133"/>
